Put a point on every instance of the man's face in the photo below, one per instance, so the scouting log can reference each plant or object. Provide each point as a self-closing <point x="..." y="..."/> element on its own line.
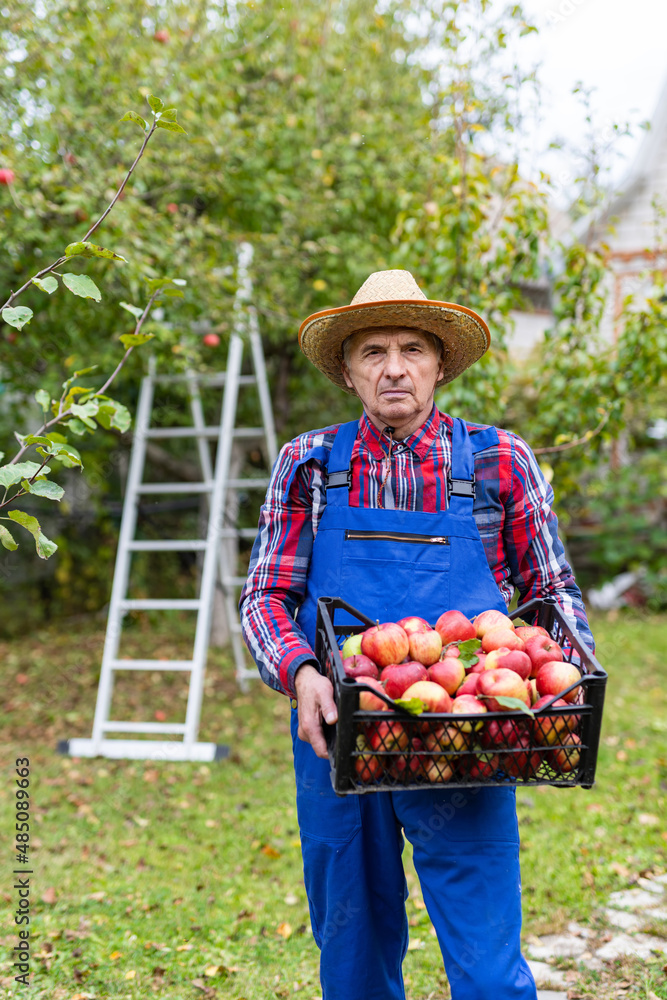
<point x="394" y="371"/>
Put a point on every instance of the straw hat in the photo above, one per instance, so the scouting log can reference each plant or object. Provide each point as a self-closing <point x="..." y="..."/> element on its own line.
<point x="393" y="298"/>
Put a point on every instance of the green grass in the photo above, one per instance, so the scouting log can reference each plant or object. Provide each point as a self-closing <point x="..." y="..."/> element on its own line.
<point x="184" y="880"/>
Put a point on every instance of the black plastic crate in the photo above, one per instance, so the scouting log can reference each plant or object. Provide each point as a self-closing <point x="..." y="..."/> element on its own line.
<point x="557" y="747"/>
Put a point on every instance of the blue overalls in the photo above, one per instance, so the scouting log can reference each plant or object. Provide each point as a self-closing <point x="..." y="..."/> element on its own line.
<point x="389" y="564"/>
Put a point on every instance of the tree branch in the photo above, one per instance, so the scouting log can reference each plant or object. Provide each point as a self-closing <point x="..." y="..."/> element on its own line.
<point x="573" y="444"/>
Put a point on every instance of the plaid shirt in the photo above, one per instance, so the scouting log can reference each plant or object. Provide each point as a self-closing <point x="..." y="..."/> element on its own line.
<point x="512" y="511"/>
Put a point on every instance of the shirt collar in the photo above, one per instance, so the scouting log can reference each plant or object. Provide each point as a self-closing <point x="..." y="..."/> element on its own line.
<point x="419" y="441"/>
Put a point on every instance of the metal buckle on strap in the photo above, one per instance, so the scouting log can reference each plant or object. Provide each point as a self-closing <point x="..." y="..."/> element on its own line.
<point x="342" y="478"/>
<point x="460" y="488"/>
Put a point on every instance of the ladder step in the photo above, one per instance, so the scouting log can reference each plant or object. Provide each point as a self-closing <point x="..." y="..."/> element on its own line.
<point x="238" y="533"/>
<point x="182" y="432"/>
<point x="175" y="488"/>
<point x="143" y="727"/>
<point x="144" y="749"/>
<point x="248" y="432"/>
<point x="169" y="545"/>
<point x="159" y="604"/>
<point x="249" y="484"/>
<point x="151" y="664"/>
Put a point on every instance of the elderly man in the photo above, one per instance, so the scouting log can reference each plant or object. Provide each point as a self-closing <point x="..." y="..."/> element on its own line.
<point x="406" y="511"/>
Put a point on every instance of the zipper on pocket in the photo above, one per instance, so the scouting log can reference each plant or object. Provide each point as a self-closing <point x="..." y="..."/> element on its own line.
<point x="395" y="536"/>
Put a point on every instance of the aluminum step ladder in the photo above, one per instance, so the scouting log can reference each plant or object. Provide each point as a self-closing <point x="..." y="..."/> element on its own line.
<point x="216" y="485"/>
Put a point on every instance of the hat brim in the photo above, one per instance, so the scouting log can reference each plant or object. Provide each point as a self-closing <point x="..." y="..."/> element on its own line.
<point x="464" y="335"/>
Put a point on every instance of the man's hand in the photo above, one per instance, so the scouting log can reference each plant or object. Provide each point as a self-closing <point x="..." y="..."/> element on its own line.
<point x="315" y="702"/>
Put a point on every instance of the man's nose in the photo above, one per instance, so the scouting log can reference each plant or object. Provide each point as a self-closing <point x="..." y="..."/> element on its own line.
<point x="394" y="365"/>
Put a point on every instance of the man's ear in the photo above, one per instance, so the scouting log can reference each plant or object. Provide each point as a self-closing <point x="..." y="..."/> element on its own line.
<point x="346" y="376"/>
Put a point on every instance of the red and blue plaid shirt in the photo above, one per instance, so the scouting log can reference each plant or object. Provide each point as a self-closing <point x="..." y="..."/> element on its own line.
<point x="512" y="511"/>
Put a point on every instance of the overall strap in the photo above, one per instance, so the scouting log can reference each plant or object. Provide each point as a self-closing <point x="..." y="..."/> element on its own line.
<point x="461" y="482"/>
<point x="339" y="472"/>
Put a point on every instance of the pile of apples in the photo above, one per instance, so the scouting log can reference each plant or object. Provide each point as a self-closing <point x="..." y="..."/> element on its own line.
<point x="463" y="667"/>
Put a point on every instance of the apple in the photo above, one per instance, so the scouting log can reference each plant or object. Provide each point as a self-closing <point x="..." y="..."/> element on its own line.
<point x="434" y="697"/>
<point x="367" y="766"/>
<point x="414" y="624"/>
<point x="481" y="765"/>
<point x="211" y="339"/>
<point x="453" y="626"/>
<point x="425" y="647"/>
<point x="512" y="659"/>
<point x="525" y="760"/>
<point x="385" y="644"/>
<point x="162" y="36"/>
<point x="497" y="637"/>
<point x="501" y="682"/>
<point x="554" y="677"/>
<point x="563" y="758"/>
<point x="351" y="646"/>
<point x="452" y="650"/>
<point x="406" y="766"/>
<point x="369" y="702"/>
<point x="499" y="733"/>
<point x="467" y="704"/>
<point x="541" y="650"/>
<point x="526" y="632"/>
<point x="551" y="729"/>
<point x="7" y="176"/>
<point x="479" y="666"/>
<point x="469" y="685"/>
<point x="387" y="735"/>
<point x="438" y="769"/>
<point x="445" y="739"/>
<point x="360" y="666"/>
<point x="398" y="677"/>
<point x="491" y="619"/>
<point x="448" y="673"/>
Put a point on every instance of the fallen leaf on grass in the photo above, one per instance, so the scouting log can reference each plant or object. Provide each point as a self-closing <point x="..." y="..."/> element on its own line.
<point x="82" y="996"/>
<point x="648" y="819"/>
<point x="291" y="899"/>
<point x="49" y="895"/>
<point x="620" y="869"/>
<point x="184" y="947"/>
<point x="270" y="852"/>
<point x="115" y="955"/>
<point x="415" y="944"/>
<point x="130" y="974"/>
<point x="285" y="930"/>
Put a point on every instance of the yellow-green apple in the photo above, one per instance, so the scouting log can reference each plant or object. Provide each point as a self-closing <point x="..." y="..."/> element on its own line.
<point x="387" y="735"/>
<point x="512" y="659"/>
<point x="501" y="682"/>
<point x="369" y="702"/>
<point x="398" y="677"/>
<point x="385" y="644"/>
<point x="367" y="766"/>
<point x="497" y="637"/>
<point x="526" y="632"/>
<point x="352" y="645"/>
<point x="542" y="649"/>
<point x="360" y="666"/>
<point x="554" y="677"/>
<point x="565" y="758"/>
<point x="469" y="685"/>
<point x="445" y="739"/>
<point x="448" y="673"/>
<point x="438" y="769"/>
<point x="524" y="761"/>
<point x="467" y="704"/>
<point x="433" y="697"/>
<point x="488" y="620"/>
<point x="425" y="646"/>
<point x="551" y="729"/>
<point x="413" y="624"/>
<point x="453" y="626"/>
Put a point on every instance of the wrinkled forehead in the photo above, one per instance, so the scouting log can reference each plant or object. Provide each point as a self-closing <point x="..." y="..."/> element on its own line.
<point x="385" y="336"/>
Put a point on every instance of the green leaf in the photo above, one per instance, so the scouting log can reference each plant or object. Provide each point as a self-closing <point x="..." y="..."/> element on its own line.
<point x="155" y="103"/>
<point x="86" y="411"/>
<point x="10" y="475"/>
<point x="467" y="654"/>
<point x="7" y="539"/>
<point x="34" y="439"/>
<point x="17" y="316"/>
<point x="135" y="310"/>
<point x="113" y="414"/>
<point x="168" y="115"/>
<point x="514" y="703"/>
<point x="82" y="285"/>
<point x="132" y="116"/>
<point x="174" y="293"/>
<point x="43" y="488"/>
<point x="135" y="339"/>
<point x="170" y="126"/>
<point x="48" y="284"/>
<point x="45" y="547"/>
<point x="43" y="399"/>
<point x="77" y="426"/>
<point x="62" y="451"/>
<point x="85" y="249"/>
<point x="415" y="706"/>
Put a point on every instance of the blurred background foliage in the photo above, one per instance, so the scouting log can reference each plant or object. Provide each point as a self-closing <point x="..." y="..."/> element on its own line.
<point x="338" y="138"/>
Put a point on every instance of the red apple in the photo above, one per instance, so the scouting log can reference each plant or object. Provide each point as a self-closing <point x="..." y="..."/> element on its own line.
<point x="398" y="677"/>
<point x="497" y="637"/>
<point x="500" y="733"/>
<point x="385" y="644"/>
<point x="481" y="765"/>
<point x="554" y="677"/>
<point x="445" y="739"/>
<point x="211" y="339"/>
<point x="367" y="766"/>
<point x="526" y="632"/>
<point x="438" y="769"/>
<point x="414" y="624"/>
<point x="425" y="647"/>
<point x="479" y="666"/>
<point x="551" y="729"/>
<point x="453" y="626"/>
<point x="352" y="645"/>
<point x="448" y="673"/>
<point x="452" y="650"/>
<point x="469" y="685"/>
<point x="403" y="767"/>
<point x="434" y="697"/>
<point x="369" y="702"/>
<point x="525" y="760"/>
<point x="360" y="666"/>
<point x="501" y="682"/>
<point x="7" y="176"/>
<point x="565" y="758"/>
<point x="162" y="36"/>
<point x="466" y="704"/>
<point x="511" y="659"/>
<point x="387" y="735"/>
<point x="491" y="619"/>
<point x="541" y="650"/>
<point x="531" y="687"/>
